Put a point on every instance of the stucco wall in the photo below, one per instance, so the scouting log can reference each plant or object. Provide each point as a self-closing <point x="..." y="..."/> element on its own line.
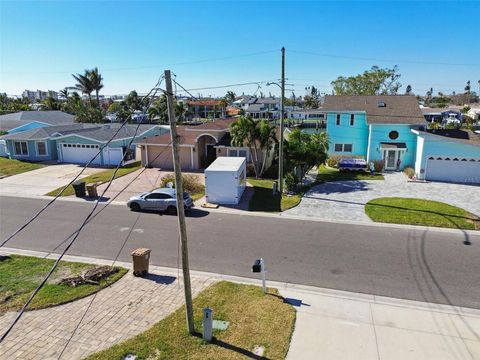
<point x="32" y="151"/>
<point x="380" y="133"/>
<point x="357" y="135"/>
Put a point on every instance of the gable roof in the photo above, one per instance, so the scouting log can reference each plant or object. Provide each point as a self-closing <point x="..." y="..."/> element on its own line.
<point x="98" y="132"/>
<point x="46" y="132"/>
<point x="11" y="121"/>
<point x="398" y="109"/>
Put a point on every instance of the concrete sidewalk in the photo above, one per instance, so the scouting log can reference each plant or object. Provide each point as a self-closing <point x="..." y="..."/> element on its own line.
<point x="358" y="326"/>
<point x="330" y="324"/>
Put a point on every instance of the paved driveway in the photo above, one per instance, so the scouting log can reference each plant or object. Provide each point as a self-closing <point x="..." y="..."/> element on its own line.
<point x="345" y="200"/>
<point x="44" y="180"/>
<point x="137" y="182"/>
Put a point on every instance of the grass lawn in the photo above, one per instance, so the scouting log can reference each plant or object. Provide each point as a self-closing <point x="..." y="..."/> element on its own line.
<point x="264" y="200"/>
<point x="197" y="195"/>
<point x="420" y="212"/>
<point x="326" y="174"/>
<point x="255" y="320"/>
<point x="20" y="275"/>
<point x="99" y="178"/>
<point x="9" y="167"/>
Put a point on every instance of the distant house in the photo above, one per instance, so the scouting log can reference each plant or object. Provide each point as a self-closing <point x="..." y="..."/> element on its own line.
<point x="199" y="146"/>
<point x="26" y="120"/>
<point x="442" y="116"/>
<point x="392" y="128"/>
<point x="77" y="143"/>
<point x="263" y="108"/>
<point x="303" y="115"/>
<point x="207" y="109"/>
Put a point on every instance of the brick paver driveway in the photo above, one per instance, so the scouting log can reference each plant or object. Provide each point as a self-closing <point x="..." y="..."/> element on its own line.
<point x="345" y="200"/>
<point x="123" y="310"/>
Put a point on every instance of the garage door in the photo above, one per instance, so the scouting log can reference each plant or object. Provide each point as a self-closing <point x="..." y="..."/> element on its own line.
<point x="80" y="153"/>
<point x="453" y="169"/>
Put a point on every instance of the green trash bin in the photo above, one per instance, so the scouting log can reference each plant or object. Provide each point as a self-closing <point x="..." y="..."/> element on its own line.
<point x="79" y="187"/>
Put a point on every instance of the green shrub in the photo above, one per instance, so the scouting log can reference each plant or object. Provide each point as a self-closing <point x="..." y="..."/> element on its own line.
<point x="191" y="183"/>
<point x="378" y="165"/>
<point x="410" y="172"/>
<point x="291" y="181"/>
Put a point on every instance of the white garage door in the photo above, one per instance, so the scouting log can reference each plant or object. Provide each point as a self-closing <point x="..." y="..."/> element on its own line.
<point x="80" y="153"/>
<point x="453" y="169"/>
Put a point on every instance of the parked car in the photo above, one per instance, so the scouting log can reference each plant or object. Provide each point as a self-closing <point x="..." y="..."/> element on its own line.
<point x="163" y="199"/>
<point x="349" y="164"/>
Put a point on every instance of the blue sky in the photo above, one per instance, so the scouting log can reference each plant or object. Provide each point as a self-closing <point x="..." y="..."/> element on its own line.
<point x="218" y="43"/>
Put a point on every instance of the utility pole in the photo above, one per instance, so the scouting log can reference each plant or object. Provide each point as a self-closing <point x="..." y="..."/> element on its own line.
<point x="282" y="109"/>
<point x="180" y="207"/>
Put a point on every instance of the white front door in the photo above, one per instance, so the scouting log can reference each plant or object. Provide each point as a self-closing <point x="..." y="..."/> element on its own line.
<point x="390" y="158"/>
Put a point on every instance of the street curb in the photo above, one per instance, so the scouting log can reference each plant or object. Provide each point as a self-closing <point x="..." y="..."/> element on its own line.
<point x="281" y="286"/>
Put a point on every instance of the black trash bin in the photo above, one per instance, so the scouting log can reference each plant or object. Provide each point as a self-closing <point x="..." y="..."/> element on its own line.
<point x="79" y="187"/>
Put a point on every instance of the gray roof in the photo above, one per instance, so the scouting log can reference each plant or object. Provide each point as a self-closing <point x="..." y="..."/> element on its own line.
<point x="11" y="121"/>
<point x="398" y="109"/>
<point x="255" y="107"/>
<point x="105" y="132"/>
<point x="47" y="131"/>
<point x="98" y="132"/>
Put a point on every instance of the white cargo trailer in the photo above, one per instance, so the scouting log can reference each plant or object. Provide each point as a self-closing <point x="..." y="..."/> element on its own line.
<point x="225" y="180"/>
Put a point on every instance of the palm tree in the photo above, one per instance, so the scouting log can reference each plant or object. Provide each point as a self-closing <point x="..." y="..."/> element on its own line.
<point x="64" y="93"/>
<point x="181" y="112"/>
<point x="84" y="84"/>
<point x="257" y="136"/>
<point x="230" y="96"/>
<point x="266" y="137"/>
<point x="96" y="82"/>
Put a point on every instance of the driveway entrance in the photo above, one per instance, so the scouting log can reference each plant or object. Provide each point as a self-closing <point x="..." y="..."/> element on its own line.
<point x="42" y="181"/>
<point x="345" y="200"/>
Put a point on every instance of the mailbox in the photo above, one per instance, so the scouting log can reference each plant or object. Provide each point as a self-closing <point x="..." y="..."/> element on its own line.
<point x="257" y="266"/>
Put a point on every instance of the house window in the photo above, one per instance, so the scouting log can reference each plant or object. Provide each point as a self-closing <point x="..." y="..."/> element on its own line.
<point x="41" y="148"/>
<point x="338" y="119"/>
<point x="344" y="148"/>
<point x="21" y="148"/>
<point x="352" y="119"/>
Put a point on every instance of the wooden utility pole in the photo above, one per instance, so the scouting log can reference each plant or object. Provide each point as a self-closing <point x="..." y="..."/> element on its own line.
<point x="282" y="109"/>
<point x="180" y="207"/>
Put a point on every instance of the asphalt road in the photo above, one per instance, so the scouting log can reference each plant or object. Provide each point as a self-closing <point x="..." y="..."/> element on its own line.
<point x="412" y="264"/>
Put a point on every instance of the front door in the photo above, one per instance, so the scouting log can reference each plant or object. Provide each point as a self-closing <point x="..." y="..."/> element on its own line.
<point x="390" y="159"/>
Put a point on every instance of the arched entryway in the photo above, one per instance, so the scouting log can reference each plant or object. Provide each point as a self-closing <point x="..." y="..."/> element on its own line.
<point x="206" y="149"/>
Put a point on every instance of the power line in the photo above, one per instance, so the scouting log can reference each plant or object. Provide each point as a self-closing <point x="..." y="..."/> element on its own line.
<point x="77" y="176"/>
<point x="130" y="68"/>
<point x="57" y="261"/>
<point x="231" y="85"/>
<point x="380" y="60"/>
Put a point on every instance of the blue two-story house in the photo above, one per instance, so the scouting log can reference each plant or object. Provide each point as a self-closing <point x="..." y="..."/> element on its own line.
<point x="374" y="128"/>
<point x="392" y="128"/>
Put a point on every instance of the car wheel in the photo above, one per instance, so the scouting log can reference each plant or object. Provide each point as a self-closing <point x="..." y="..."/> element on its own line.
<point x="135" y="207"/>
<point x="172" y="210"/>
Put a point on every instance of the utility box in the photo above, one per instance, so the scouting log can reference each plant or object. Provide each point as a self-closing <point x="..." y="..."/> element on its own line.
<point x="141" y="260"/>
<point x="225" y="180"/>
<point x="207" y="324"/>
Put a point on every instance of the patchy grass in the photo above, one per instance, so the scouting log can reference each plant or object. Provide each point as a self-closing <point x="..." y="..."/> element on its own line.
<point x="20" y="275"/>
<point x="198" y="195"/>
<point x="99" y="178"/>
<point x="255" y="320"/>
<point x="420" y="212"/>
<point x="264" y="200"/>
<point x="326" y="174"/>
<point x="9" y="167"/>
